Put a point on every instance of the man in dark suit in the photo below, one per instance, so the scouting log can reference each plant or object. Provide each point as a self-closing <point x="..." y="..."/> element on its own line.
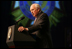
<point x="40" y="27"/>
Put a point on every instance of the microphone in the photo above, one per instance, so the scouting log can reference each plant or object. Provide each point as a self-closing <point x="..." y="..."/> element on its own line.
<point x="20" y="19"/>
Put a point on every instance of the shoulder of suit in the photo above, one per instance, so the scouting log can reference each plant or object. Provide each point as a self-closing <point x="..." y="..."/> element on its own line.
<point x="44" y="14"/>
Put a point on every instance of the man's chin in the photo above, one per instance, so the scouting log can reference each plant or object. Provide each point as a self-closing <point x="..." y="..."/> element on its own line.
<point x="34" y="16"/>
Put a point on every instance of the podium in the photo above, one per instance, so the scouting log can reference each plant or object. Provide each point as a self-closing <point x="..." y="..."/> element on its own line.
<point x="16" y="39"/>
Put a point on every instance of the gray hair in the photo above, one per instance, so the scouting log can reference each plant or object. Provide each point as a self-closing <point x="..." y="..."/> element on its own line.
<point x="37" y="6"/>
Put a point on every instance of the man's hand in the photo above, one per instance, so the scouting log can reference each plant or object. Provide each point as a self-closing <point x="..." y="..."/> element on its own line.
<point x="21" y="28"/>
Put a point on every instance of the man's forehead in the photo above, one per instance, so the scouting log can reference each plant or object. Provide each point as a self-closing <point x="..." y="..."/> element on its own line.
<point x="31" y="6"/>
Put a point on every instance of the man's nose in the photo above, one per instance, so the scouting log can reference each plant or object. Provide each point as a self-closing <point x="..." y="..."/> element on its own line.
<point x="31" y="12"/>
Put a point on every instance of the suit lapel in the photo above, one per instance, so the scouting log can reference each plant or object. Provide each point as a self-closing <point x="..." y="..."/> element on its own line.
<point x="38" y="17"/>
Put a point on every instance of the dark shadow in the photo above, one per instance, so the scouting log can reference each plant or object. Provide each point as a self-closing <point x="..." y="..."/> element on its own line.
<point x="6" y="21"/>
<point x="58" y="32"/>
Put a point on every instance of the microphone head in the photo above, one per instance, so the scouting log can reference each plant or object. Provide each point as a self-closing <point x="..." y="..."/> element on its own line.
<point x="22" y="18"/>
<point x="19" y="19"/>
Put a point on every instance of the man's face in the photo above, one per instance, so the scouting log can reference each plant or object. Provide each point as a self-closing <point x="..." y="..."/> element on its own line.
<point x="34" y="10"/>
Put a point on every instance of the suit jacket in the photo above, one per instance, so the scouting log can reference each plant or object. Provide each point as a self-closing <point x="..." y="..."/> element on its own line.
<point x="41" y="28"/>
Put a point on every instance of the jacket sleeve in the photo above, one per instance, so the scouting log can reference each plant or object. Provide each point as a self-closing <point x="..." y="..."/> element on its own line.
<point x="41" y="24"/>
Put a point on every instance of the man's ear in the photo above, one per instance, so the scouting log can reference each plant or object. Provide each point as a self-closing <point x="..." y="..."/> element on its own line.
<point x="38" y="9"/>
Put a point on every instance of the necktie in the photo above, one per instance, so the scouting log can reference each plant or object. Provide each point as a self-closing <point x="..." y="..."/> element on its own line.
<point x="35" y="20"/>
